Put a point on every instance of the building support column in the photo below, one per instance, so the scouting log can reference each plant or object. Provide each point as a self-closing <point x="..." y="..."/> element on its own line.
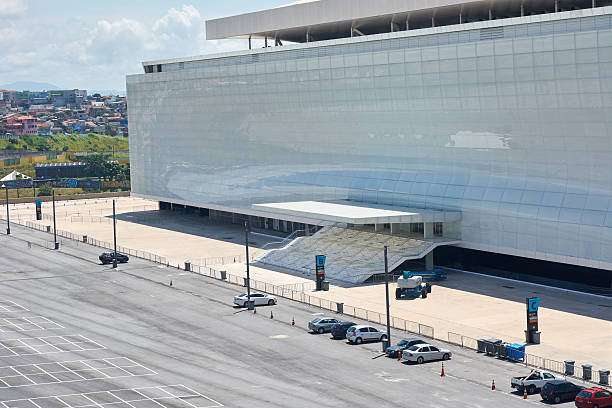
<point x="249" y="42"/>
<point x="556" y="6"/>
<point x="395" y="228"/>
<point x="306" y="230"/>
<point x="490" y="11"/>
<point x="522" y="8"/>
<point x="266" y="41"/>
<point x="433" y="18"/>
<point x="429" y="261"/>
<point x="593" y="3"/>
<point x="408" y="22"/>
<point x="428" y="232"/>
<point x="379" y="227"/>
<point x="461" y="15"/>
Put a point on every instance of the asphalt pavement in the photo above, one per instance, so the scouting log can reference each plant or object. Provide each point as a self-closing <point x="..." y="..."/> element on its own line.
<point x="74" y="333"/>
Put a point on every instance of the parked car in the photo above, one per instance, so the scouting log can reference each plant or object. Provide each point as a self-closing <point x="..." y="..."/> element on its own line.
<point x="392" y="351"/>
<point x="360" y="333"/>
<point x="560" y="390"/>
<point x="532" y="382"/>
<point x="594" y="397"/>
<point x="259" y="298"/>
<point x="420" y="353"/>
<point x="107" y="258"/>
<point x="322" y="324"/>
<point x="338" y="330"/>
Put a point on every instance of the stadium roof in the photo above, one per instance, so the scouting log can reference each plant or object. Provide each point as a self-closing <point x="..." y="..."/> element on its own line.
<point x="318" y="20"/>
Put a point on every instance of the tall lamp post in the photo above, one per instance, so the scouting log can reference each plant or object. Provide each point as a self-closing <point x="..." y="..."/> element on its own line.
<point x="54" y="224"/>
<point x="248" y="278"/>
<point x="8" y="221"/>
<point x="114" y="237"/>
<point x="387" y="297"/>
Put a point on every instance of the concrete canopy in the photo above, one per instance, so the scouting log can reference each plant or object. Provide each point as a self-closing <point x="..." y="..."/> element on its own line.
<point x="351" y="213"/>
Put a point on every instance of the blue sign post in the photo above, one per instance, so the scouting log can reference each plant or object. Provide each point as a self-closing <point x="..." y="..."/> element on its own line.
<point x="320" y="269"/>
<point x="39" y="210"/>
<point x="532" y="335"/>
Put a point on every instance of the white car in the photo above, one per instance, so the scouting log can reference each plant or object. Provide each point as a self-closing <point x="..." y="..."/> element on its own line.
<point x="259" y="299"/>
<point x="362" y="333"/>
<point x="425" y="352"/>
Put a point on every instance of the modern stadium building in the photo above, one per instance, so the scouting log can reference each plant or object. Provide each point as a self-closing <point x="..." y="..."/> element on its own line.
<point x="480" y="129"/>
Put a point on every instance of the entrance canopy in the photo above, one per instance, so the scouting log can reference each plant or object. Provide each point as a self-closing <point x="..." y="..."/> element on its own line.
<point x="353" y="213"/>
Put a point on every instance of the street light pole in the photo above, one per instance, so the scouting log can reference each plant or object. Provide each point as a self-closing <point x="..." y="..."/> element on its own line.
<point x="387" y="297"/>
<point x="246" y="233"/>
<point x="8" y="221"/>
<point x="114" y="237"/>
<point x="54" y="224"/>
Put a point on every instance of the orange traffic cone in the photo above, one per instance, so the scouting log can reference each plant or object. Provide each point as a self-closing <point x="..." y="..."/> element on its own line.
<point x="271" y="315"/>
<point x="254" y="311"/>
<point x="399" y="355"/>
<point x="493" y="385"/>
<point x="234" y="259"/>
<point x="293" y="321"/>
<point x="170" y="282"/>
<point x="442" y="373"/>
<point x="524" y="392"/>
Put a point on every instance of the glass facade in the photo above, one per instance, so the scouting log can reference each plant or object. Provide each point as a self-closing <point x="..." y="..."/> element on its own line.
<point x="511" y="125"/>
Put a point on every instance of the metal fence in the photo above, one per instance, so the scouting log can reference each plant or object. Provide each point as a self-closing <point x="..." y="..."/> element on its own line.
<point x="297" y="292"/>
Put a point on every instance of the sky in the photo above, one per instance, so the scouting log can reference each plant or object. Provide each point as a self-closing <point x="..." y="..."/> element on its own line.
<point x="93" y="44"/>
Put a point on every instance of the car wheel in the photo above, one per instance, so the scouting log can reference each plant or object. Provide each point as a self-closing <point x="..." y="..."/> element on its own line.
<point x="320" y="330"/>
<point x="270" y="302"/>
<point x="358" y="340"/>
<point x="383" y="337"/>
<point x="531" y="389"/>
<point x="445" y="356"/>
<point x="420" y="360"/>
<point x="557" y="399"/>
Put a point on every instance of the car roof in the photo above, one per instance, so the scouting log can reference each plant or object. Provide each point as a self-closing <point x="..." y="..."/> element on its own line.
<point x="361" y="326"/>
<point x="595" y="389"/>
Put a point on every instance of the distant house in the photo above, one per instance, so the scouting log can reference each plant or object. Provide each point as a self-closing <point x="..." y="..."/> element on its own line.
<point x="44" y="129"/>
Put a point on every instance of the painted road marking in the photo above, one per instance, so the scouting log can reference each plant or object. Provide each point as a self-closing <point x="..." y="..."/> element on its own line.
<point x="166" y="396"/>
<point x="8" y="306"/>
<point x="46" y="345"/>
<point x="8" y="324"/>
<point x="70" y="371"/>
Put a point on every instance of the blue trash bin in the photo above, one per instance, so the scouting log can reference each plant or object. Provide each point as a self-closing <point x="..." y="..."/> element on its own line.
<point x="515" y="352"/>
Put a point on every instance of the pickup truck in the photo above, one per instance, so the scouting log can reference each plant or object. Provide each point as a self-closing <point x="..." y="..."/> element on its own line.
<point x="532" y="382"/>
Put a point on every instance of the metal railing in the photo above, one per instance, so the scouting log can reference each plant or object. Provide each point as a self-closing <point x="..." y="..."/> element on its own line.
<point x="297" y="292"/>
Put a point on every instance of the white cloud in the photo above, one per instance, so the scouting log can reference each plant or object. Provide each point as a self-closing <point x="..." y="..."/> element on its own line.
<point x="77" y="53"/>
<point x="12" y="7"/>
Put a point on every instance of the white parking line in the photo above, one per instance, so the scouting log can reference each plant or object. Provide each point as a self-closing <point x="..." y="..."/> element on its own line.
<point x="164" y="396"/>
<point x="70" y="371"/>
<point x="8" y="306"/>
<point x="46" y="345"/>
<point x="8" y="324"/>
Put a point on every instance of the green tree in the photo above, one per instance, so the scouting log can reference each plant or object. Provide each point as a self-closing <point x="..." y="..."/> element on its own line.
<point x="45" y="190"/>
<point x="11" y="146"/>
<point x="65" y="148"/>
<point x="113" y="170"/>
<point x="95" y="166"/>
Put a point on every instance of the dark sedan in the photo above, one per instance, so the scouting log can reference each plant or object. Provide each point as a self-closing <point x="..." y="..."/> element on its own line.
<point x="402" y="345"/>
<point x="560" y="390"/>
<point x="107" y="258"/>
<point x="338" y="330"/>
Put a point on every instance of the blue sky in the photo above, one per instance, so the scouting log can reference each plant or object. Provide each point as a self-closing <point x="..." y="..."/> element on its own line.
<point x="93" y="44"/>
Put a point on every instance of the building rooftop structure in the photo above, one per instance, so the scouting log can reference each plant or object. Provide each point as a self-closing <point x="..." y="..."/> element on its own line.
<point x="319" y="20"/>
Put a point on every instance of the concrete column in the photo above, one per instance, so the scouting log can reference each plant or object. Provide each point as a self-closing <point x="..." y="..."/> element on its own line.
<point x="429" y="261"/>
<point x="307" y="230"/>
<point x="379" y="227"/>
<point x="395" y="228"/>
<point x="428" y="232"/>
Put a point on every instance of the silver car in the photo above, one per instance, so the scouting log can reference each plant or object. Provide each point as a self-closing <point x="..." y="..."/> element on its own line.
<point x="360" y="333"/>
<point x="425" y="352"/>
<point x="322" y="324"/>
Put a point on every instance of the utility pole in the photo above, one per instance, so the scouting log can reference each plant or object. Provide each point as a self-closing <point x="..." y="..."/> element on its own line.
<point x="8" y="221"/>
<point x="114" y="237"/>
<point x="387" y="297"/>
<point x="248" y="278"/>
<point x="54" y="224"/>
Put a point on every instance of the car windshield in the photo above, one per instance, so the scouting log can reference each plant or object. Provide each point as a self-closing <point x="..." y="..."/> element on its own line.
<point x="317" y="320"/>
<point x="402" y="343"/>
<point x="585" y="394"/>
<point x="243" y="295"/>
<point x="413" y="348"/>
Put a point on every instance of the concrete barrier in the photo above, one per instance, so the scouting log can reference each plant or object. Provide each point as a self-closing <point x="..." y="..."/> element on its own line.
<point x="66" y="197"/>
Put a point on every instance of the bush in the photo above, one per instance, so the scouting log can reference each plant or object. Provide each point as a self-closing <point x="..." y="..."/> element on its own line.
<point x="11" y="146"/>
<point x="65" y="148"/>
<point x="45" y="190"/>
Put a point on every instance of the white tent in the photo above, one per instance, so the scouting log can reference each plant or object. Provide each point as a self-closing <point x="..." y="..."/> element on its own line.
<point x="13" y="175"/>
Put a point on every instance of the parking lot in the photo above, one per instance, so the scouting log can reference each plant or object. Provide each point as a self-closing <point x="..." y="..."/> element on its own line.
<point x="75" y="333"/>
